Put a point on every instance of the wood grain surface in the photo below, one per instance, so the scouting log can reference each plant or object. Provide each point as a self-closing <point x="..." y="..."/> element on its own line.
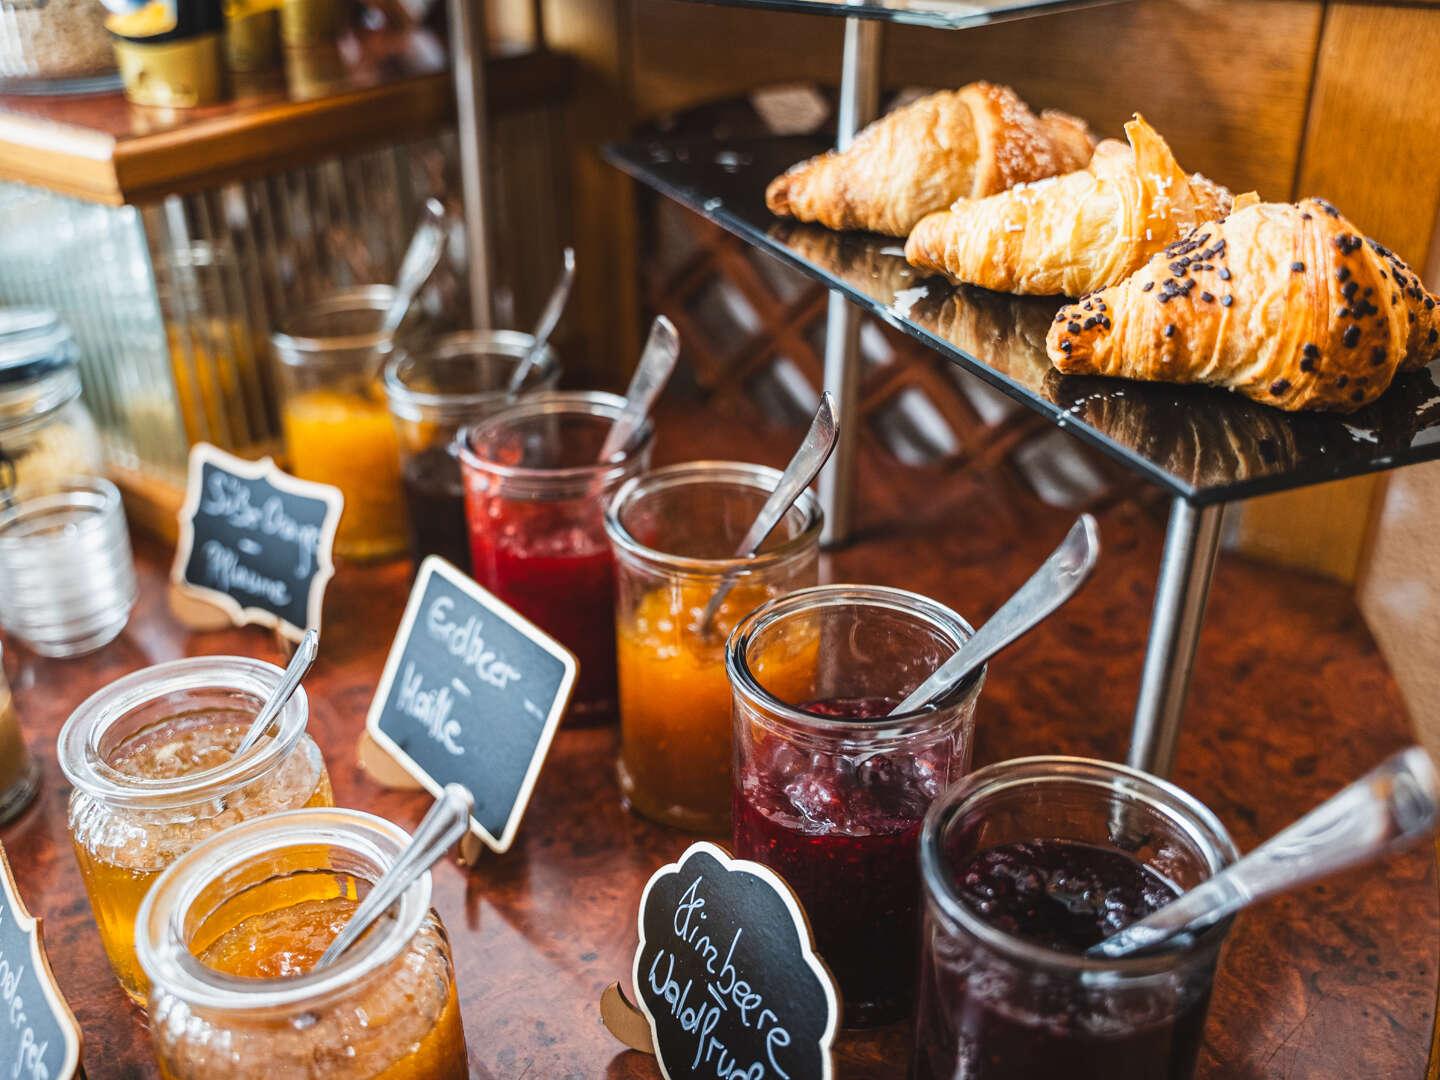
<point x="1290" y="701"/>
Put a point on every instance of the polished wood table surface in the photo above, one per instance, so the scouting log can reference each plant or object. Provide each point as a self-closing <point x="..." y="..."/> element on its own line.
<point x="1290" y="701"/>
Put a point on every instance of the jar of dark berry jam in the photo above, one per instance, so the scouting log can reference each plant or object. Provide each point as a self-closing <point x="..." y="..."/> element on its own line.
<point x="1026" y="865"/>
<point x="829" y="789"/>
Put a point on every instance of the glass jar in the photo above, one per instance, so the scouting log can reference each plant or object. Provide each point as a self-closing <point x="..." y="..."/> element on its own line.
<point x="55" y="47"/>
<point x="997" y="1006"/>
<point x="19" y="775"/>
<point x="46" y="432"/>
<point x="434" y="391"/>
<point x="829" y="788"/>
<point x="534" y="501"/>
<point x="674" y="532"/>
<point x="336" y="420"/>
<point x="229" y="935"/>
<point x="150" y="758"/>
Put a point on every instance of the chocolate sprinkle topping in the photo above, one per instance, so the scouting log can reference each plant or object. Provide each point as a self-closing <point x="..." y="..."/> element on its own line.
<point x="1349" y="289"/>
<point x="1208" y="297"/>
<point x="1341" y="273"/>
<point x="1074" y="327"/>
<point x="1224" y="273"/>
<point x="1351" y="337"/>
<point x="1307" y="363"/>
<point x="1147" y="286"/>
<point x="1226" y="301"/>
<point x="1377" y="355"/>
<point x="1311" y="349"/>
<point x="1279" y="386"/>
<point x="1297" y="267"/>
<point x="1170" y="330"/>
<point x="1342" y="380"/>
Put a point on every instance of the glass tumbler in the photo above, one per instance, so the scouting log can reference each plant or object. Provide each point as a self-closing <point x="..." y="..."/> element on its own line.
<point x="434" y="391"/>
<point x="67" y="578"/>
<point x="674" y="532"/>
<point x="152" y="760"/>
<point x="229" y="936"/>
<point x="829" y="788"/>
<point x="337" y="424"/>
<point x="534" y="501"/>
<point x="19" y="775"/>
<point x="997" y="1006"/>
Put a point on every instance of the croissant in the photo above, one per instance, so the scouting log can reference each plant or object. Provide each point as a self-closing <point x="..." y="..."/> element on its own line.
<point x="1287" y="304"/>
<point x="1071" y="234"/>
<point x="953" y="144"/>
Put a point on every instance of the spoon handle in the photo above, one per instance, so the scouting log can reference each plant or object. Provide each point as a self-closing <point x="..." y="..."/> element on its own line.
<point x="1389" y="808"/>
<point x="419" y="262"/>
<point x="549" y="319"/>
<point x="1058" y="579"/>
<point x="814" y="451"/>
<point x="296" y="670"/>
<point x="442" y="826"/>
<point x="662" y="349"/>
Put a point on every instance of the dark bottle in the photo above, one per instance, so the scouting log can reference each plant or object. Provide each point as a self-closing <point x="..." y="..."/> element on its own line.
<point x="435" y="499"/>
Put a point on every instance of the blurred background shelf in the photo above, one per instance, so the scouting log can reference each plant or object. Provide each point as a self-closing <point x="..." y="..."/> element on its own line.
<point x="936" y="14"/>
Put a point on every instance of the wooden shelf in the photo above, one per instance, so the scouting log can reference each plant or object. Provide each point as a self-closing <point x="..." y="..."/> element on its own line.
<point x="103" y="148"/>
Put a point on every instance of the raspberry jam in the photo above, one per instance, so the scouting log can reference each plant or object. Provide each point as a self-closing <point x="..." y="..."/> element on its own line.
<point x="842" y="830"/>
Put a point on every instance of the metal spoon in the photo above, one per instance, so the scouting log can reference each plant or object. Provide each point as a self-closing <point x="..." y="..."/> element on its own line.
<point x="662" y="349"/>
<point x="1389" y="808"/>
<point x="443" y="825"/>
<point x="814" y="451"/>
<point x="294" y="671"/>
<point x="1058" y="579"/>
<point x="421" y="258"/>
<point x="549" y="319"/>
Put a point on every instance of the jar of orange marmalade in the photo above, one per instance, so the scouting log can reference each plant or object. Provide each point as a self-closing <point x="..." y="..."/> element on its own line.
<point x="151" y="758"/>
<point x="229" y="937"/>
<point x="674" y="532"/>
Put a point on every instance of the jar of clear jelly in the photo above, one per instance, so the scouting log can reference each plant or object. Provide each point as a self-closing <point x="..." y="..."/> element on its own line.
<point x="151" y="761"/>
<point x="229" y="936"/>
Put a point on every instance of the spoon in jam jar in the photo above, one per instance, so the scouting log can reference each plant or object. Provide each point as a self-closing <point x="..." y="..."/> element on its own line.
<point x="295" y="671"/>
<point x="442" y="826"/>
<point x="549" y="319"/>
<point x="1391" y="807"/>
<point x="418" y="263"/>
<point x="653" y="371"/>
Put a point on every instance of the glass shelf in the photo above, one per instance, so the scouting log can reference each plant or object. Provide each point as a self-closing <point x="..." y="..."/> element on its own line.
<point x="938" y="14"/>
<point x="1203" y="444"/>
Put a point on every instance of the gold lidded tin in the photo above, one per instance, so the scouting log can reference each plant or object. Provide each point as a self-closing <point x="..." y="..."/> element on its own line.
<point x="169" y="53"/>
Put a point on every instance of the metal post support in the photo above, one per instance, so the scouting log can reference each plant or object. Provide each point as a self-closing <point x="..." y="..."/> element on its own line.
<point x="859" y="102"/>
<point x="1192" y="542"/>
<point x="467" y="57"/>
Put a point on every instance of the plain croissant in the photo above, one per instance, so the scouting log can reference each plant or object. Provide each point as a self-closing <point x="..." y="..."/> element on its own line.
<point x="1287" y="304"/>
<point x="953" y="144"/>
<point x="1072" y="234"/>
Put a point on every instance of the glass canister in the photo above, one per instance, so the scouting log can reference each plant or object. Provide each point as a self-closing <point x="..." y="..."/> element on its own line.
<point x="674" y="532"/>
<point x="336" y="420"/>
<point x="19" y="775"/>
<point x="229" y="935"/>
<point x="55" y="47"/>
<point x="46" y="432"/>
<point x="150" y="758"/>
<point x="1026" y="864"/>
<point x="830" y="789"/>
<point x="435" y="390"/>
<point x="534" y="501"/>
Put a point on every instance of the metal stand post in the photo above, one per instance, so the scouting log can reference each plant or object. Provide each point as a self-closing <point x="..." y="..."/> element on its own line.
<point x="1191" y="543"/>
<point x="467" y="58"/>
<point x="859" y="102"/>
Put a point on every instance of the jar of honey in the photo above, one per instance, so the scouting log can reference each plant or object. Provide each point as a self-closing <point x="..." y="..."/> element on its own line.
<point x="229" y="937"/>
<point x="336" y="419"/>
<point x="674" y="533"/>
<point x="151" y="758"/>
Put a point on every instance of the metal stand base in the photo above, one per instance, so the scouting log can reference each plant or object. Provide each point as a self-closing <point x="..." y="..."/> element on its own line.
<point x="1192" y="542"/>
<point x="859" y="102"/>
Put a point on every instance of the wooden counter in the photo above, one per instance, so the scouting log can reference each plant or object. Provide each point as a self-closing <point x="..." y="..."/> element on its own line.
<point x="1290" y="701"/>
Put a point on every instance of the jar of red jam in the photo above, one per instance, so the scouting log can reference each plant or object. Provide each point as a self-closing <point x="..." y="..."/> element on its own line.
<point x="534" y="502"/>
<point x="1027" y="864"/>
<point x="229" y="937"/>
<point x="829" y="788"/>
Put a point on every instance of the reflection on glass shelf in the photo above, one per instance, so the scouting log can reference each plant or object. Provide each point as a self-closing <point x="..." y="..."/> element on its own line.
<point x="1208" y="445"/>
<point x="943" y="14"/>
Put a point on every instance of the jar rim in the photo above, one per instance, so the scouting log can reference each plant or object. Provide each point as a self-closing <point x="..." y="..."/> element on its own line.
<point x="938" y="615"/>
<point x="743" y="473"/>
<point x="583" y="403"/>
<point x="410" y="403"/>
<point x="1194" y="819"/>
<point x="311" y="349"/>
<point x="78" y="746"/>
<point x="59" y="496"/>
<point x="165" y="955"/>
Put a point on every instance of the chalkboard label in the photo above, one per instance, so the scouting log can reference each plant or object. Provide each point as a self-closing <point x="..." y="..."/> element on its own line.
<point x="39" y="1038"/>
<point x="255" y="541"/>
<point x="472" y="693"/>
<point x="727" y="975"/>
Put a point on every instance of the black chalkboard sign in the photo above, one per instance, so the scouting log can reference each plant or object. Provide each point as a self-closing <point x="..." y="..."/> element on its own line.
<point x="39" y="1038"/>
<point x="255" y="541"/>
<point x="727" y="975"/>
<point x="472" y="693"/>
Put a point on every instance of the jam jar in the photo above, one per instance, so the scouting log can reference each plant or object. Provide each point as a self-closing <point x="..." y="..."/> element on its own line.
<point x="151" y="761"/>
<point x="229" y="937"/>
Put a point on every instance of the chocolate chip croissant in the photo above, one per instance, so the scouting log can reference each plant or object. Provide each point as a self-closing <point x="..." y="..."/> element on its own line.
<point x="953" y="144"/>
<point x="1287" y="304"/>
<point x="1072" y="234"/>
